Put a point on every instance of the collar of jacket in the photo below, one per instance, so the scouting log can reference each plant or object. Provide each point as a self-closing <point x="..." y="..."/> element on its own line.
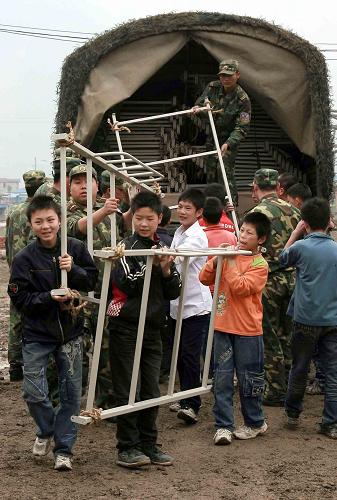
<point x="54" y="250"/>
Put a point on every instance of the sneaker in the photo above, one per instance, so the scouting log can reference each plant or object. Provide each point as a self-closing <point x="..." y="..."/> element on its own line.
<point x="62" y="462"/>
<point x="246" y="432"/>
<point x="175" y="406"/>
<point x="157" y="456"/>
<point x="328" y="430"/>
<point x="41" y="446"/>
<point x="314" y="388"/>
<point x="223" y="436"/>
<point x="132" y="458"/>
<point x="292" y="422"/>
<point x="188" y="414"/>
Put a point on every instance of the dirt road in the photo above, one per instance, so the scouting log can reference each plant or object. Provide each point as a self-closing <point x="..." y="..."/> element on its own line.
<point x="283" y="464"/>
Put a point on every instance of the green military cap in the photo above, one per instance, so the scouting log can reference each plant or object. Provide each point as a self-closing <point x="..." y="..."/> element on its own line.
<point x="70" y="163"/>
<point x="228" y="67"/>
<point x="266" y="177"/>
<point x="34" y="178"/>
<point x="80" y="170"/>
<point x="105" y="179"/>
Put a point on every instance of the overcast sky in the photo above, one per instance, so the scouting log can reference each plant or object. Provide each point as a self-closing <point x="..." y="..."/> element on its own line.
<point x="31" y="66"/>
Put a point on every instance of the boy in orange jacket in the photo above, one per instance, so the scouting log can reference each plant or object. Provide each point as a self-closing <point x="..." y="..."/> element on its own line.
<point x="238" y="341"/>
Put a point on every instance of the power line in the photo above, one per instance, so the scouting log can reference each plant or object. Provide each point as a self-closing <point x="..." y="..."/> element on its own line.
<point x="45" y="36"/>
<point x="47" y="29"/>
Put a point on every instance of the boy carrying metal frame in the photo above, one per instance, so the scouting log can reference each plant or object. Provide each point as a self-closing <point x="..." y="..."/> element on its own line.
<point x="50" y="327"/>
<point x="137" y="431"/>
<point x="238" y="340"/>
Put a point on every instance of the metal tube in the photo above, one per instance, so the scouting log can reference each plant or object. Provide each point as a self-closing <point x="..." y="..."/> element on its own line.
<point x="63" y="182"/>
<point x="140" y="331"/>
<point x="222" y="166"/>
<point x="210" y="335"/>
<point x="177" y="332"/>
<point x="86" y="153"/>
<point x="99" y="335"/>
<point x="156" y="117"/>
<point x="90" y="243"/>
<point x="113" y="216"/>
<point x="180" y="158"/>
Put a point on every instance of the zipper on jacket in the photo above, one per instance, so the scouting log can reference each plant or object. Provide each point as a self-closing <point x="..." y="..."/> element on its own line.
<point x="58" y="315"/>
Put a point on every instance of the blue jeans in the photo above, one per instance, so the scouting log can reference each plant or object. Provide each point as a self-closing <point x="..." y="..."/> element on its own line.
<point x="303" y="343"/>
<point x="54" y="422"/>
<point x="193" y="330"/>
<point x="245" y="355"/>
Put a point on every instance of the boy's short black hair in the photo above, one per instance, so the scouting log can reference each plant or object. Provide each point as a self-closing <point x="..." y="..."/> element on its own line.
<point x="212" y="210"/>
<point x="166" y="216"/>
<point x="316" y="213"/>
<point x="260" y="222"/>
<point x="300" y="190"/>
<point x="146" y="199"/>
<point x="216" y="190"/>
<point x="195" y="196"/>
<point x="286" y="180"/>
<point x="42" y="203"/>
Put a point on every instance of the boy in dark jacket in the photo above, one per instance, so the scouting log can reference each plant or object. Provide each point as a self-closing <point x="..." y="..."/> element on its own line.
<point x="137" y="431"/>
<point x="49" y="328"/>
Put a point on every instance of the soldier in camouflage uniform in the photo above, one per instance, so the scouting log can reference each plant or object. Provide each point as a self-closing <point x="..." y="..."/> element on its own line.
<point x="53" y="188"/>
<point x="277" y="293"/>
<point x="18" y="235"/>
<point x="121" y="190"/>
<point x="77" y="227"/>
<point x="232" y="114"/>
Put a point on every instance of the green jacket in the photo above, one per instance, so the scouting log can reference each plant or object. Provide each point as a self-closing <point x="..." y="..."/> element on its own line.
<point x="18" y="231"/>
<point x="231" y="112"/>
<point x="284" y="218"/>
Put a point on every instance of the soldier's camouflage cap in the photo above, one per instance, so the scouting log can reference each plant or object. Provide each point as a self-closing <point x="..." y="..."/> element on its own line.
<point x="80" y="170"/>
<point x="228" y="67"/>
<point x="34" y="178"/>
<point x="70" y="162"/>
<point x="266" y="177"/>
<point x="105" y="179"/>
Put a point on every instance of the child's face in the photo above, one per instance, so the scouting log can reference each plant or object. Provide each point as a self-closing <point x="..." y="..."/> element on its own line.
<point x="145" y="221"/>
<point x="295" y="201"/>
<point x="45" y="224"/>
<point x="188" y="214"/>
<point x="248" y="238"/>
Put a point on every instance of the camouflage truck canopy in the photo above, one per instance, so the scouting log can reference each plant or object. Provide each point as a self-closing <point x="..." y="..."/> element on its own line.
<point x="141" y="65"/>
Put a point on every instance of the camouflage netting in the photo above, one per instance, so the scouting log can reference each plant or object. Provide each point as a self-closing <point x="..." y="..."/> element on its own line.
<point x="77" y="68"/>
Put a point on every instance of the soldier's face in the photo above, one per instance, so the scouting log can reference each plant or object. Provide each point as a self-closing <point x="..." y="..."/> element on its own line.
<point x="229" y="81"/>
<point x="78" y="189"/>
<point x="45" y="224"/>
<point x="248" y="238"/>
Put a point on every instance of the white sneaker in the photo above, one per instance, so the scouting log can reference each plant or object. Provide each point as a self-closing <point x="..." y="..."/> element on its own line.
<point x="188" y="414"/>
<point x="175" y="406"/>
<point x="223" y="436"/>
<point x="41" y="447"/>
<point x="245" y="432"/>
<point x="62" y="462"/>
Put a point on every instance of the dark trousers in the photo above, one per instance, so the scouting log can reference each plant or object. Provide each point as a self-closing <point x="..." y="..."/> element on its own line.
<point x="193" y="330"/>
<point x="137" y="428"/>
<point x="303" y="343"/>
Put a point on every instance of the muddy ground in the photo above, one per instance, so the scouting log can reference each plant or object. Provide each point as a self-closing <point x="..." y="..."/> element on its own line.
<point x="282" y="464"/>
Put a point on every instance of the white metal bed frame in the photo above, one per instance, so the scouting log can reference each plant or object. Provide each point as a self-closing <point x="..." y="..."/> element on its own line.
<point x="140" y="175"/>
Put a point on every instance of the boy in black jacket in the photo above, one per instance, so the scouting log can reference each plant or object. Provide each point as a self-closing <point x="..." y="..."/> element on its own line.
<point x="137" y="431"/>
<point x="49" y="328"/>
